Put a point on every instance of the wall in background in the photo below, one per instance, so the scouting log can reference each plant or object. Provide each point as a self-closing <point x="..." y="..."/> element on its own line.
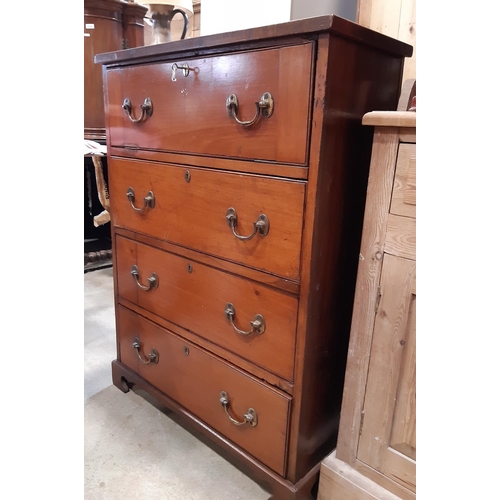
<point x="301" y="9"/>
<point x="220" y="16"/>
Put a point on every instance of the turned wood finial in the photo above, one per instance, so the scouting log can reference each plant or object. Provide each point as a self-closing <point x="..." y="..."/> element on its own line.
<point x="98" y="256"/>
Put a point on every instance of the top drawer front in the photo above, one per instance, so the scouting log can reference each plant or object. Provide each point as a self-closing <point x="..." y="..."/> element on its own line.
<point x="189" y="115"/>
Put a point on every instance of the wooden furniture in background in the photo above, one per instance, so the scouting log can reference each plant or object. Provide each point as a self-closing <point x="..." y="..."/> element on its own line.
<point x="375" y="457"/>
<point x="236" y="244"/>
<point x="108" y="25"/>
<point x="396" y="19"/>
<point x="197" y="18"/>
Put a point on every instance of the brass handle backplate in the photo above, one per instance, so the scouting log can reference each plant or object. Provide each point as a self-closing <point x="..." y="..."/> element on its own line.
<point x="261" y="226"/>
<point x="152" y="357"/>
<point x="152" y="280"/>
<point x="149" y="200"/>
<point x="146" y="110"/>
<point x="264" y="107"/>
<point x="250" y="417"/>
<point x="258" y="324"/>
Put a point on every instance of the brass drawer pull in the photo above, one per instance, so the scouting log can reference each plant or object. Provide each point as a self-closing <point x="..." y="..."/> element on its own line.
<point x="248" y="418"/>
<point x="146" y="110"/>
<point x="258" y="324"/>
<point x="261" y="226"/>
<point x="264" y="107"/>
<point x="149" y="200"/>
<point x="152" y="357"/>
<point x="152" y="281"/>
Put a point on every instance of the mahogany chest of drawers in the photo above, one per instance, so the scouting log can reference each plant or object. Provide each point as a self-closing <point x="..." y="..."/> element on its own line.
<point x="237" y="169"/>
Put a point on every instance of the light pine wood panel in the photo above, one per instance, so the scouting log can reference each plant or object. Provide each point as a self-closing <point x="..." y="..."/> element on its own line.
<point x="404" y="196"/>
<point x="403" y="436"/>
<point x="196" y="18"/>
<point x="400" y="239"/>
<point x="380" y="15"/>
<point x="392" y="119"/>
<point x="383" y="161"/>
<point x="395" y="18"/>
<point x="384" y="234"/>
<point x="409" y="135"/>
<point x="408" y="33"/>
<point x="401" y="491"/>
<point x="392" y="373"/>
<point x="339" y="481"/>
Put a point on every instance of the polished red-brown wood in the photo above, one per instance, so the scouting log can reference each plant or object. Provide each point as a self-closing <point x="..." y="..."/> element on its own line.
<point x="194" y="296"/>
<point x="190" y="115"/>
<point x="277" y="282"/>
<point x="126" y="379"/>
<point x="338" y="174"/>
<point x="251" y="167"/>
<point x="193" y="214"/>
<point x="256" y="370"/>
<point x="264" y="36"/>
<point x="353" y="70"/>
<point x="182" y="365"/>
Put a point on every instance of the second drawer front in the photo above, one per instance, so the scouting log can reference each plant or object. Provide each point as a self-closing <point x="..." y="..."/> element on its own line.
<point x="196" y="379"/>
<point x="192" y="212"/>
<point x="195" y="297"/>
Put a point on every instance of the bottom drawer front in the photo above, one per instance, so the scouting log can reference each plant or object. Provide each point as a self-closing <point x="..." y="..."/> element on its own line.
<point x="198" y="380"/>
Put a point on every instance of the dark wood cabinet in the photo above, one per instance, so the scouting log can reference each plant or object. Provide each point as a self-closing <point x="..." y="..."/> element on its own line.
<point x="108" y="25"/>
<point x="237" y="190"/>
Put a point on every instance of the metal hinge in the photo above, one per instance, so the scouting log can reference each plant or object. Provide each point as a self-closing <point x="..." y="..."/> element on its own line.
<point x="361" y="423"/>
<point x="125" y="44"/>
<point x="379" y="295"/>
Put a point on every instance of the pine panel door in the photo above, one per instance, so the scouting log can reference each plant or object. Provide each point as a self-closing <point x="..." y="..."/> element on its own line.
<point x="388" y="436"/>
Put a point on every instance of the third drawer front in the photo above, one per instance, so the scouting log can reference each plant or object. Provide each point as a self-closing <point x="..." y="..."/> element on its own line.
<point x="191" y="205"/>
<point x="198" y="381"/>
<point x="197" y="297"/>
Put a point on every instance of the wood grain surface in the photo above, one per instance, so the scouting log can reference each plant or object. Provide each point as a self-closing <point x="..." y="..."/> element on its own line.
<point x="327" y="73"/>
<point x="177" y="373"/>
<point x="195" y="298"/>
<point x="190" y="114"/>
<point x="193" y="214"/>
